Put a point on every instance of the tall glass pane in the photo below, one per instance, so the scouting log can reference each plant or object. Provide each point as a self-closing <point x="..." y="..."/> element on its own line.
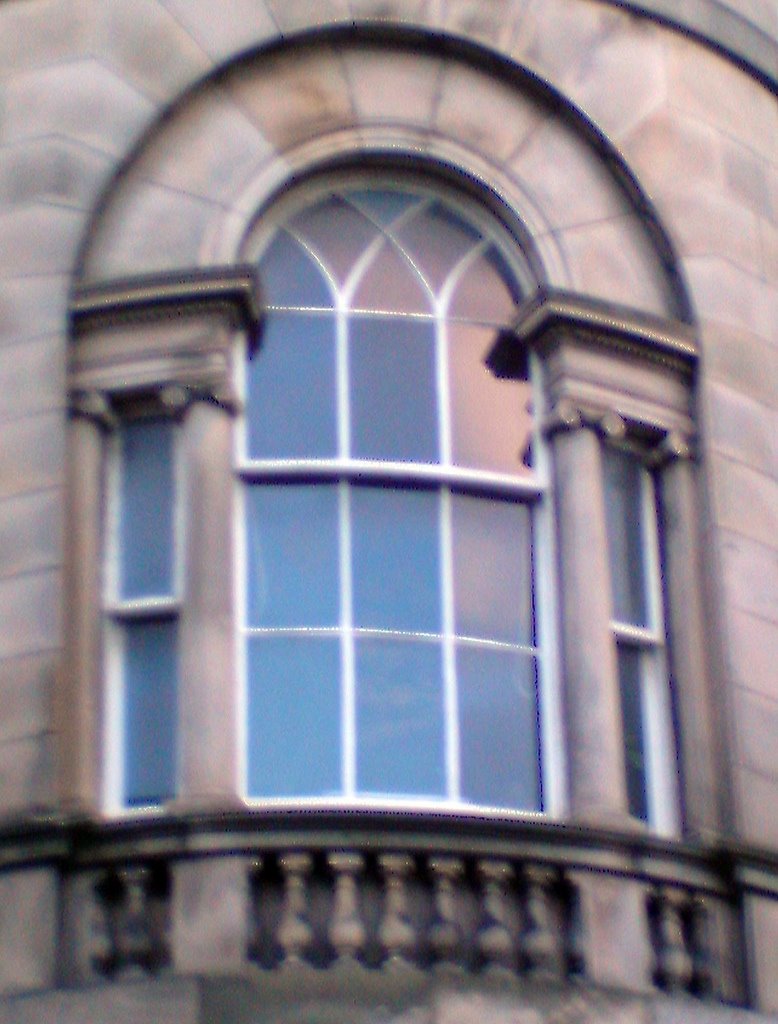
<point x="392" y="389"/>
<point x="294" y="743"/>
<point x="395" y="559"/>
<point x="629" y="660"/>
<point x="150" y="697"/>
<point x="498" y="730"/>
<point x="292" y="555"/>
<point x="291" y="389"/>
<point x="491" y="418"/>
<point x="146" y="500"/>
<point x="400" y="729"/>
<point x="492" y="569"/>
<point x="626" y="536"/>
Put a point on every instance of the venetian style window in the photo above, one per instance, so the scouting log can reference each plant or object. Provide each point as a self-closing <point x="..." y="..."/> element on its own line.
<point x="391" y="627"/>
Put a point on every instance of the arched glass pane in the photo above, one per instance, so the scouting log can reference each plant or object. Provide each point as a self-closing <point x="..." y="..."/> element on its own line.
<point x="391" y="285"/>
<point x="491" y="420"/>
<point x="382" y="205"/>
<point x="392" y="393"/>
<point x="436" y="238"/>
<point x="292" y="555"/>
<point x="337" y="232"/>
<point x="290" y="277"/>
<point x="492" y="557"/>
<point x="293" y="716"/>
<point x="291" y="389"/>
<point x="487" y="291"/>
<point x="395" y="559"/>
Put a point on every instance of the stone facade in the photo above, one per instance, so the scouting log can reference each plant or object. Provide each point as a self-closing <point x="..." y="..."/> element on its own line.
<point x="638" y="148"/>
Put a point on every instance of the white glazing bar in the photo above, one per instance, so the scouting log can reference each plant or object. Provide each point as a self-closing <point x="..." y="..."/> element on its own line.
<point x="347" y="654"/>
<point x="113" y="777"/>
<point x="450" y="696"/>
<point x="240" y="584"/>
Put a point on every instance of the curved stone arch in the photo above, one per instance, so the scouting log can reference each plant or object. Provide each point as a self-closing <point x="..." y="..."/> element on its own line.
<point x="186" y="193"/>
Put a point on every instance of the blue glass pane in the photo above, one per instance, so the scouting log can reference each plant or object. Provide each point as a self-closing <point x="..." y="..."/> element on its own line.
<point x="629" y="659"/>
<point x="290" y="277"/>
<point x="293" y="716"/>
<point x="624" y="508"/>
<point x="292" y="555"/>
<point x="492" y="569"/>
<point x="400" y="730"/>
<point x="498" y="728"/>
<point x="291" y="403"/>
<point x="146" y="510"/>
<point x="394" y="412"/>
<point x="396" y="564"/>
<point x="150" y="699"/>
<point x="384" y="206"/>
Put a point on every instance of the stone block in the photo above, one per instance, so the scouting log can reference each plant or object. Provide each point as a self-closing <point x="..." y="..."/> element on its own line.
<point x="28" y="921"/>
<point x="210" y="915"/>
<point x="29" y="614"/>
<point x="746" y="501"/>
<point x="752" y="652"/>
<point x="32" y="378"/>
<point x="296" y="15"/>
<point x="567" y="181"/>
<point x="148" y="48"/>
<point x="391" y="87"/>
<point x="743" y="361"/>
<point x="26" y="775"/>
<point x="26" y="693"/>
<point x="703" y="221"/>
<point x="756" y="725"/>
<point x="667" y="147"/>
<point x="494" y="24"/>
<point x="757" y="808"/>
<point x="39" y="239"/>
<point x="51" y="170"/>
<point x="208" y="148"/>
<point x="291" y="99"/>
<point x="31" y="307"/>
<point x="724" y="294"/>
<point x="745" y="174"/>
<point x="53" y="31"/>
<point x="741" y="428"/>
<point x="30" y="532"/>
<point x="81" y="100"/>
<point x="467" y="94"/>
<point x="225" y="29"/>
<point x="414" y="12"/>
<point x="163" y="1001"/>
<point x="614" y="260"/>
<point x="768" y="234"/>
<point x="763" y="921"/>
<point x="750" y="575"/>
<point x="32" y="454"/>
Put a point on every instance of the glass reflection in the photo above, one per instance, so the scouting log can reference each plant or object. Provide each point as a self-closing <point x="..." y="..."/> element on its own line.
<point x="487" y="291"/>
<point x="382" y="205"/>
<point x="395" y="558"/>
<point x="624" y="508"/>
<point x="400" y="744"/>
<point x="150" y="707"/>
<point x="337" y="232"/>
<point x="491" y="421"/>
<point x="291" y="382"/>
<point x="492" y="558"/>
<point x="290" y="277"/>
<point x="498" y="729"/>
<point x="391" y="285"/>
<point x="146" y="510"/>
<point x="392" y="390"/>
<point x="436" y="239"/>
<point x="292" y="555"/>
<point x="294" y="738"/>
<point x="629" y="660"/>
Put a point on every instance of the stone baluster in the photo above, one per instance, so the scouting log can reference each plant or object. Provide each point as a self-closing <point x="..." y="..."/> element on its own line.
<point x="396" y="932"/>
<point x="295" y="934"/>
<point x="702" y="982"/>
<point x="538" y="943"/>
<point x="134" y="902"/>
<point x="445" y="937"/>
<point x="673" y="964"/>
<point x="347" y="932"/>
<point x="494" y="939"/>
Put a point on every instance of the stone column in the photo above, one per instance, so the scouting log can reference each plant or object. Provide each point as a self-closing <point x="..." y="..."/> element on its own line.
<point x="592" y="702"/>
<point x="78" y="703"/>
<point x="688" y="644"/>
<point x="208" y="734"/>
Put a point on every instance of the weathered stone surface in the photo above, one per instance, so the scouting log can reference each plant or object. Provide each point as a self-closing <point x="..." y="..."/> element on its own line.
<point x="726" y="295"/>
<point x="746" y="501"/>
<point x="391" y="87"/>
<point x="294" y="15"/>
<point x="756" y="721"/>
<point x="416" y="12"/>
<point x="43" y="33"/>
<point x="51" y="170"/>
<point x="210" y="915"/>
<point x="39" y="239"/>
<point x="763" y="916"/>
<point x="26" y="775"/>
<point x="750" y="576"/>
<point x="752" y="653"/>
<point x="743" y="361"/>
<point x="31" y="307"/>
<point x="29" y="613"/>
<point x="669" y="147"/>
<point x="495" y="24"/>
<point x="227" y="28"/>
<point x="140" y="1002"/>
<point x="26" y="693"/>
<point x="32" y="455"/>
<point x="758" y="795"/>
<point x="32" y="377"/>
<point x="743" y="429"/>
<point x="30" y="532"/>
<point x="28" y="915"/>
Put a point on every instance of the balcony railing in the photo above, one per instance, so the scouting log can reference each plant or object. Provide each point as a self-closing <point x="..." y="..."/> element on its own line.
<point x="375" y="891"/>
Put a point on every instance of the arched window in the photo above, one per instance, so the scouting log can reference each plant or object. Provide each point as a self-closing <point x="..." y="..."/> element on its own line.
<point x="390" y="573"/>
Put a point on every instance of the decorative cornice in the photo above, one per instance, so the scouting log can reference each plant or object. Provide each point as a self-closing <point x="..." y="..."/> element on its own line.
<point x="550" y="311"/>
<point x="231" y="291"/>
